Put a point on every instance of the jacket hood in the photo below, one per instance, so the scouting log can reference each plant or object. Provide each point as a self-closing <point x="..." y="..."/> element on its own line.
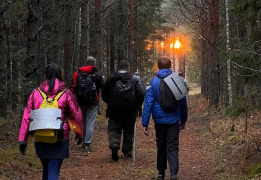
<point x="123" y="76"/>
<point x="58" y="87"/>
<point x="87" y="69"/>
<point x="162" y="73"/>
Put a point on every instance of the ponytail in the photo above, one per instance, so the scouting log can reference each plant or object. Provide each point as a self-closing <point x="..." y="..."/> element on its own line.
<point x="53" y="71"/>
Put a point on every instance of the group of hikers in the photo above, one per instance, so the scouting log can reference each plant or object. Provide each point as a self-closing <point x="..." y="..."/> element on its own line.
<point x="77" y="108"/>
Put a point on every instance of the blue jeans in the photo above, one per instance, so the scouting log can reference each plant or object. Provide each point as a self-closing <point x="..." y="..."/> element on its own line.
<point x="51" y="168"/>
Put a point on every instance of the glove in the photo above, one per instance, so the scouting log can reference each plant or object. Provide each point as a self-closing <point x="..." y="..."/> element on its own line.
<point x="78" y="139"/>
<point x="182" y="126"/>
<point x="22" y="147"/>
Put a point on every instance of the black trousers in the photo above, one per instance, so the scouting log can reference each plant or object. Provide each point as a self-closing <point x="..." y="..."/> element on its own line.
<point x="115" y="130"/>
<point x="167" y="137"/>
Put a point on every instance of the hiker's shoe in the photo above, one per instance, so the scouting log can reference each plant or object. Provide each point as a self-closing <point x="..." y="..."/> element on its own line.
<point x="114" y="154"/>
<point x="173" y="177"/>
<point x="128" y="155"/>
<point x="161" y="177"/>
<point x="87" y="148"/>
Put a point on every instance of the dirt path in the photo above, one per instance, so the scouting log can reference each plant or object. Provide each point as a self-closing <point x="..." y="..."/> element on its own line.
<point x="196" y="156"/>
<point x="195" y="161"/>
<point x="208" y="151"/>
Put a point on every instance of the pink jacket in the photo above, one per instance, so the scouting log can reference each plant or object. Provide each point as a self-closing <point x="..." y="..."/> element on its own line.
<point x="67" y="103"/>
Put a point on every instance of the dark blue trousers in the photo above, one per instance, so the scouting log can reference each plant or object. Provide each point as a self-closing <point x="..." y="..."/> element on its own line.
<point x="167" y="137"/>
<point x="51" y="168"/>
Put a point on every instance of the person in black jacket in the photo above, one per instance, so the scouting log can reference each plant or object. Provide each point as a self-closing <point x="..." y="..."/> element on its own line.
<point x="124" y="94"/>
<point x="140" y="108"/>
<point x="89" y="108"/>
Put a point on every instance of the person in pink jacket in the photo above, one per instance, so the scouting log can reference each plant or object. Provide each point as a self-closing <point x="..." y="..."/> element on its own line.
<point x="52" y="155"/>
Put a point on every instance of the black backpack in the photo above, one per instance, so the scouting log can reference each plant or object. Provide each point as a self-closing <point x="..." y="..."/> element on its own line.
<point x="86" y="92"/>
<point x="123" y="98"/>
<point x="166" y="99"/>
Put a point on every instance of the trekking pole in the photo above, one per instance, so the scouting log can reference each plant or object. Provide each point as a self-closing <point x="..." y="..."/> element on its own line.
<point x="189" y="103"/>
<point x="134" y="137"/>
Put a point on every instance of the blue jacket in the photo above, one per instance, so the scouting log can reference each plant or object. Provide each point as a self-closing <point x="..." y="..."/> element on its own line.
<point x="151" y="106"/>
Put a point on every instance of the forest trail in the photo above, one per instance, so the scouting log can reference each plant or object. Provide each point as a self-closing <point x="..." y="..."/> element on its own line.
<point x="195" y="163"/>
<point x="199" y="159"/>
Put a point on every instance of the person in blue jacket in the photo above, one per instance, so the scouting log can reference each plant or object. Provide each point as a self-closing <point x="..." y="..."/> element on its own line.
<point x="167" y="124"/>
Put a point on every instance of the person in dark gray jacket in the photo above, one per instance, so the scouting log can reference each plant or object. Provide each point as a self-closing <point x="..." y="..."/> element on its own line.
<point x="124" y="94"/>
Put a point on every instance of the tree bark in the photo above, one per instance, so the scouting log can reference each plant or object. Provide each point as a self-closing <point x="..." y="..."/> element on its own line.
<point x="130" y="40"/>
<point x="68" y="40"/>
<point x="213" y="51"/>
<point x="97" y="37"/>
<point x="108" y="45"/>
<point x="3" y="103"/>
<point x="112" y="47"/>
<point x="76" y="35"/>
<point x="83" y="46"/>
<point x="229" y="86"/>
<point x="14" y="66"/>
<point x="88" y="28"/>
<point x="203" y="30"/>
<point x="135" y="36"/>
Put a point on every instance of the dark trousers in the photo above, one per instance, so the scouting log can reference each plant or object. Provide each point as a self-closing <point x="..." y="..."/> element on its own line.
<point x="115" y="130"/>
<point x="140" y="111"/>
<point x="51" y="168"/>
<point x="167" y="137"/>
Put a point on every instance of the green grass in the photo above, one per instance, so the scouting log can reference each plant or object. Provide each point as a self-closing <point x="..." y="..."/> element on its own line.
<point x="256" y="170"/>
<point x="13" y="163"/>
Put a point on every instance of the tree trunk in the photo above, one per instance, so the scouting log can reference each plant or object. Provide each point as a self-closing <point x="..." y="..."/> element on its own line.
<point x="229" y="86"/>
<point x="184" y="65"/>
<point x="108" y="45"/>
<point x="14" y="68"/>
<point x="32" y="65"/>
<point x="97" y="37"/>
<point x="8" y="70"/>
<point x="130" y="40"/>
<point x="76" y="62"/>
<point x="88" y="28"/>
<point x="3" y="103"/>
<point x="112" y="47"/>
<point x="68" y="40"/>
<point x="135" y="36"/>
<point x="83" y="46"/>
<point x="119" y="36"/>
<point x="213" y="51"/>
<point x="203" y="42"/>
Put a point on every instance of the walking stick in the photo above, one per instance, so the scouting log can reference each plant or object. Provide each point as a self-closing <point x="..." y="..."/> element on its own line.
<point x="189" y="107"/>
<point x="134" y="137"/>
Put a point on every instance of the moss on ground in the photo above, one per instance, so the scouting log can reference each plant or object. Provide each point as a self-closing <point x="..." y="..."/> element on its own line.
<point x="254" y="171"/>
<point x="13" y="163"/>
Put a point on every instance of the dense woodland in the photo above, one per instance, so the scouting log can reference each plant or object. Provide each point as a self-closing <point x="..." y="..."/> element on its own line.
<point x="220" y="44"/>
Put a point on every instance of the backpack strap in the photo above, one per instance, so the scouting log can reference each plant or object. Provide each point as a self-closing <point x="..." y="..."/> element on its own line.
<point x="57" y="97"/>
<point x="42" y="93"/>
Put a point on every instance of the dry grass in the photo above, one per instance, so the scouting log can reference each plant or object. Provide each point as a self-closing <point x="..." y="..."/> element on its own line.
<point x="235" y="151"/>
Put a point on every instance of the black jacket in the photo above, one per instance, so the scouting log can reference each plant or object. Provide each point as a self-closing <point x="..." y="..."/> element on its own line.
<point x="108" y="92"/>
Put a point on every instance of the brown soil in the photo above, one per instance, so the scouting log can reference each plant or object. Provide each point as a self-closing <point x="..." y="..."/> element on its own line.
<point x="200" y="157"/>
<point x="194" y="164"/>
